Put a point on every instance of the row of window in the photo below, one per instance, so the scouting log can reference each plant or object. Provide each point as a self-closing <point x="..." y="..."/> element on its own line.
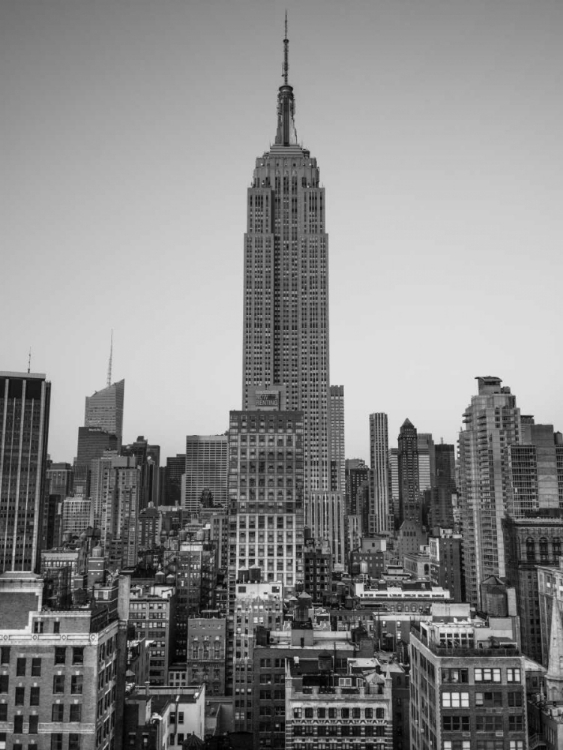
<point x="480" y="674"/>
<point x="345" y="730"/>
<point x="60" y="658"/>
<point x="339" y="713"/>
<point x="76" y="685"/>
<point x="487" y="723"/>
<point x="482" y="745"/>
<point x="492" y="699"/>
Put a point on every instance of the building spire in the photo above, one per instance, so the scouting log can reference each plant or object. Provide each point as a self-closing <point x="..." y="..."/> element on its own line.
<point x="286" y="134"/>
<point x="110" y="359"/>
<point x="285" y="69"/>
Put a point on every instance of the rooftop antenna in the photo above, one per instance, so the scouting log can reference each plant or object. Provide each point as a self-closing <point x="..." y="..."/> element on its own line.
<point x="110" y="358"/>
<point x="285" y="69"/>
<point x="29" y="361"/>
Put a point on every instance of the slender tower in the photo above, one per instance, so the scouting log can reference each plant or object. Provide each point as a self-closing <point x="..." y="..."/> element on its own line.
<point x="286" y="286"/>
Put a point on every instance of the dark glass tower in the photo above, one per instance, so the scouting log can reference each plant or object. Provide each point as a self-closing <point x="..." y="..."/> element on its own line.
<point x="24" y="429"/>
<point x="286" y="340"/>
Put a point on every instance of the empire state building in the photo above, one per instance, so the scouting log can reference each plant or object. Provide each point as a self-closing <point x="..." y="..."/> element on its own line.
<point x="286" y="287"/>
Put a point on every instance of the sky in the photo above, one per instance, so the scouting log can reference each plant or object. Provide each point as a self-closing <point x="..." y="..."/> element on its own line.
<point x="129" y="133"/>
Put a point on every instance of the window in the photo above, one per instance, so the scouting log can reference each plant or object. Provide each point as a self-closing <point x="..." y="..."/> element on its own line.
<point x="4" y="683"/>
<point x="514" y="699"/>
<point x="3" y="712"/>
<point x="33" y="724"/>
<point x="56" y="741"/>
<point x="36" y="667"/>
<point x="356" y="713"/>
<point x="180" y="739"/>
<point x="33" y="696"/>
<point x="76" y="682"/>
<point x="73" y="741"/>
<point x="516" y="744"/>
<point x="180" y="717"/>
<point x="78" y="655"/>
<point x="308" y="713"/>
<point x="56" y="627"/>
<point x="488" y="699"/>
<point x="369" y="713"/>
<point x="38" y="626"/>
<point x="296" y="713"/>
<point x="455" y="675"/>
<point x="4" y="654"/>
<point x="345" y="713"/>
<point x="75" y="712"/>
<point x="455" y="700"/>
<point x="488" y="723"/>
<point x="486" y="674"/>
<point x="516" y="723"/>
<point x="455" y="723"/>
<point x="59" y="683"/>
<point x="60" y="654"/>
<point x="18" y="724"/>
<point x="513" y="675"/>
<point x="57" y="712"/>
<point x="20" y="696"/>
<point x="20" y="668"/>
<point x="457" y="745"/>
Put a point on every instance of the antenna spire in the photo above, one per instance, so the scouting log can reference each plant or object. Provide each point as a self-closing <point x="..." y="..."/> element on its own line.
<point x="285" y="69"/>
<point x="29" y="361"/>
<point x="110" y="358"/>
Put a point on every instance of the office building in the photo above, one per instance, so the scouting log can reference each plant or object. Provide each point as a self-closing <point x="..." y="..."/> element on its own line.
<point x="337" y="452"/>
<point x="174" y="470"/>
<point x="205" y="469"/>
<point x="153" y="615"/>
<point x="446" y="562"/>
<point x="410" y="501"/>
<point x="24" y="429"/>
<point x="491" y="424"/>
<point x="395" y="505"/>
<point x="77" y="515"/>
<point x="443" y="493"/>
<point x="325" y="521"/>
<point x="62" y="671"/>
<point x="104" y="409"/>
<point x="266" y="494"/>
<point x="467" y="682"/>
<point x="380" y="484"/>
<point x="93" y="442"/>
<point x="286" y="327"/>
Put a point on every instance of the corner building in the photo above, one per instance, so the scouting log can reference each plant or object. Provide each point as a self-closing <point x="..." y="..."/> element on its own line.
<point x="286" y="287"/>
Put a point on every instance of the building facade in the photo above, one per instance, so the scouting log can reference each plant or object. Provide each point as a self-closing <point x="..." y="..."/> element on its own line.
<point x="380" y="484"/>
<point x="24" y="429"/>
<point x="206" y="469"/>
<point x="286" y="326"/>
<point x="104" y="409"/>
<point x="491" y="424"/>
<point x="337" y="450"/>
<point x="410" y="501"/>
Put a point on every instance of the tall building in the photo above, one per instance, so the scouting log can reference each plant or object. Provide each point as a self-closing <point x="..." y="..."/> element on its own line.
<point x="286" y="328"/>
<point x="426" y="461"/>
<point x="337" y="452"/>
<point x="266" y="494"/>
<point x="24" y="428"/>
<point x="104" y="409"/>
<point x="468" y="682"/>
<point x="93" y="442"/>
<point x="172" y="484"/>
<point x="491" y="424"/>
<point x="206" y="469"/>
<point x="442" y="494"/>
<point x="380" y="484"/>
<point x="410" y="502"/>
<point x="394" y="482"/>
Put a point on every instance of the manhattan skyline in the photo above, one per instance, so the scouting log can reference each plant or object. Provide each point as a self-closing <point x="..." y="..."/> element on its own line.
<point x="129" y="138"/>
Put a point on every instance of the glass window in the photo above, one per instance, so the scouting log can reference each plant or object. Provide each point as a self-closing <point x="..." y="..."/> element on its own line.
<point x="78" y="655"/>
<point x="33" y="724"/>
<point x="18" y="724"/>
<point x="59" y="683"/>
<point x="76" y="682"/>
<point x="4" y="655"/>
<point x="455" y="700"/>
<point x="36" y="667"/>
<point x="57" y="712"/>
<point x="60" y="654"/>
<point x="20" y="668"/>
<point x="75" y="712"/>
<point x="20" y="696"/>
<point x="33" y="696"/>
<point x="56" y="741"/>
<point x="73" y="741"/>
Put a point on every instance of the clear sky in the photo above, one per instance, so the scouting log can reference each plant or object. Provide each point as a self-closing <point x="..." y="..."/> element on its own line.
<point x="128" y="136"/>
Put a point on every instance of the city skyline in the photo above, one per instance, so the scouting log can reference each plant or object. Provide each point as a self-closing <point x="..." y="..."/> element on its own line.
<point x="439" y="159"/>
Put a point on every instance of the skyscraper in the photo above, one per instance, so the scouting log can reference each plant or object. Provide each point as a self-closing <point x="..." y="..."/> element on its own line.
<point x="24" y="428"/>
<point x="380" y="484"/>
<point x="491" y="424"/>
<point x="286" y="328"/>
<point x="409" y="491"/>
<point x="206" y="469"/>
<point x="104" y="409"/>
<point x="337" y="452"/>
